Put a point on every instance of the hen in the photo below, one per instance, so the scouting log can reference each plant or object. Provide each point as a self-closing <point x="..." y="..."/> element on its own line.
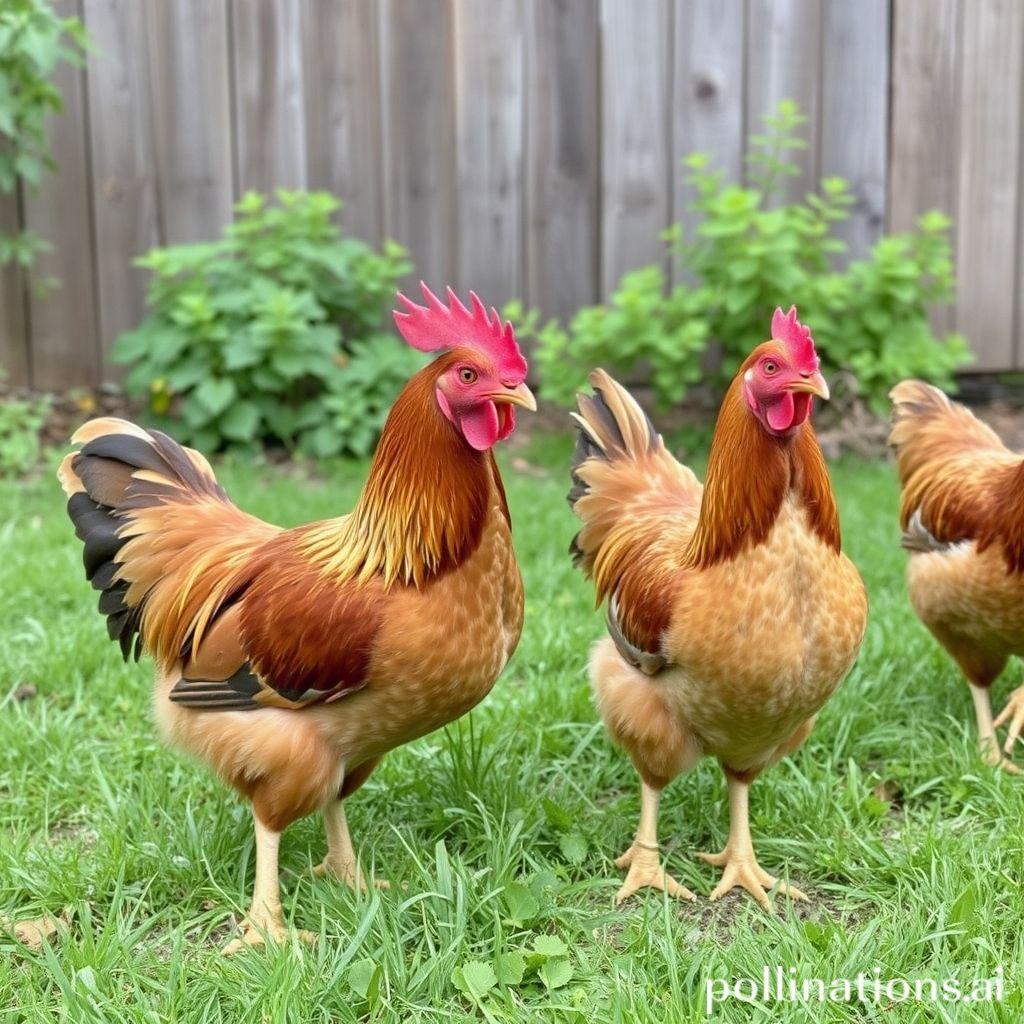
<point x="962" y="516"/>
<point x="291" y="661"/>
<point x="732" y="613"/>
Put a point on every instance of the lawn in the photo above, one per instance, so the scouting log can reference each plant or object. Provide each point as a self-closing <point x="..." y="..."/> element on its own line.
<point x="499" y="830"/>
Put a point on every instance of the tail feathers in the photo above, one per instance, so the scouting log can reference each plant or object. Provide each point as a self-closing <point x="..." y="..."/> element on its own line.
<point x="927" y="425"/>
<point x="623" y="477"/>
<point x="127" y="491"/>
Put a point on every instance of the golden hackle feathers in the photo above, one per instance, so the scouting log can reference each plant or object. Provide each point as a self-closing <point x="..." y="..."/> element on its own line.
<point x="424" y="503"/>
<point x="960" y="482"/>
<point x="750" y="472"/>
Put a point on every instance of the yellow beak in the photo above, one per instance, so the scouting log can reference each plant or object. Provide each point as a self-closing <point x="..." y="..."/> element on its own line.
<point x="812" y="384"/>
<point x="521" y="395"/>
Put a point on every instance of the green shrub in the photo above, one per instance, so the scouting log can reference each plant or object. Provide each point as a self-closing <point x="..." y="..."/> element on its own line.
<point x="274" y="333"/>
<point x="21" y="420"/>
<point x="33" y="41"/>
<point x="751" y="253"/>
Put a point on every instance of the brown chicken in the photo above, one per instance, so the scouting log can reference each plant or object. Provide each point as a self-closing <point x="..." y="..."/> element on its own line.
<point x="732" y="613"/>
<point x="962" y="516"/>
<point x="291" y="661"/>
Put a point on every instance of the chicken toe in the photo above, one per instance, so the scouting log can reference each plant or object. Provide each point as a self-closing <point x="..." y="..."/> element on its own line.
<point x="645" y="871"/>
<point x="1014" y="714"/>
<point x="258" y="933"/>
<point x="742" y="870"/>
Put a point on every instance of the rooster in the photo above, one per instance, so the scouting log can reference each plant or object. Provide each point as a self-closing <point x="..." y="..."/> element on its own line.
<point x="732" y="613"/>
<point x="962" y="515"/>
<point x="292" y="661"/>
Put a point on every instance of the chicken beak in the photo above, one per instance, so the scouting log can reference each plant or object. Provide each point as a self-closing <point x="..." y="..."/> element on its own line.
<point x="520" y="395"/>
<point x="811" y="384"/>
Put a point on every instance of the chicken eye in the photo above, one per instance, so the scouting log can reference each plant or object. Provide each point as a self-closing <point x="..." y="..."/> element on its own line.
<point x="467" y="376"/>
<point x="769" y="367"/>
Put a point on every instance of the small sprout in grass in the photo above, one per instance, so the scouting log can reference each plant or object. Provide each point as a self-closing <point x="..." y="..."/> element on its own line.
<point x="474" y="979"/>
<point x="510" y="968"/>
<point x="520" y="903"/>
<point x="364" y="978"/>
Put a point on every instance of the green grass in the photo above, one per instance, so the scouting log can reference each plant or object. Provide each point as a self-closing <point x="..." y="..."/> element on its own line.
<point x="501" y="828"/>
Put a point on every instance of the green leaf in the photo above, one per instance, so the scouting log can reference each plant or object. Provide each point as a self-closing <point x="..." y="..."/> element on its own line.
<point x="215" y="394"/>
<point x="364" y="977"/>
<point x="520" y="902"/>
<point x="556" y="816"/>
<point x="573" y="847"/>
<point x="240" y="422"/>
<point x="555" y="973"/>
<point x="549" y="945"/>
<point x="510" y="968"/>
<point x="474" y="979"/>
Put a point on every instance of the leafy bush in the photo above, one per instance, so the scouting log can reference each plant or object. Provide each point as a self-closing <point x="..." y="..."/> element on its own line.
<point x="21" y="420"/>
<point x="272" y="333"/>
<point x="33" y="41"/>
<point x="749" y="255"/>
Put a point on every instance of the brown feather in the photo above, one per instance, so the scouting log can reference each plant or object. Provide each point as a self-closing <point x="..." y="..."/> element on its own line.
<point x="956" y="473"/>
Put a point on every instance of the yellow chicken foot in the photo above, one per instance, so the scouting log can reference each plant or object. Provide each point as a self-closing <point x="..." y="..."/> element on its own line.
<point x="738" y="859"/>
<point x="1014" y="714"/>
<point x="341" y="862"/>
<point x="987" y="739"/>
<point x="265" y="921"/>
<point x="645" y="870"/>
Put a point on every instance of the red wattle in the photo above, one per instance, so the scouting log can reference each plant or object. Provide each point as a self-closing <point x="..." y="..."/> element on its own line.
<point x="479" y="425"/>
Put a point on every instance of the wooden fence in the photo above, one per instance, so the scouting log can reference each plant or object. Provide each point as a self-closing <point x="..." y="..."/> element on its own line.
<point x="520" y="147"/>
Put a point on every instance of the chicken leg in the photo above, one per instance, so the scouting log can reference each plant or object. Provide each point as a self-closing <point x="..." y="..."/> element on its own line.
<point x="341" y="862"/>
<point x="265" y="921"/>
<point x="987" y="728"/>
<point x="641" y="858"/>
<point x="738" y="859"/>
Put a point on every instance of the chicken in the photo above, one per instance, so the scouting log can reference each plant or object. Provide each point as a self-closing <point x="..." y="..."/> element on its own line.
<point x="732" y="613"/>
<point x="962" y="514"/>
<point x="292" y="661"/>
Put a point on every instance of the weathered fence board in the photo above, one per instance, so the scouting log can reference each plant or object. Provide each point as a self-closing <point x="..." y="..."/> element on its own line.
<point x="854" y="112"/>
<point x="419" y="133"/>
<point x="14" y="333"/>
<point x="707" y="94"/>
<point x="489" y="147"/>
<point x="124" y="199"/>
<point x="924" y="115"/>
<point x="784" y="62"/>
<point x="270" y="124"/>
<point x="518" y="147"/>
<point x="343" y="114"/>
<point x="635" y="135"/>
<point x="986" y="250"/>
<point x="65" y="341"/>
<point x="562" y="155"/>
<point x="192" y="124"/>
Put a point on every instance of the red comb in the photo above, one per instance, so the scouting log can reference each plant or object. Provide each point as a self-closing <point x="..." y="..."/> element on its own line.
<point x="436" y="326"/>
<point x="797" y="338"/>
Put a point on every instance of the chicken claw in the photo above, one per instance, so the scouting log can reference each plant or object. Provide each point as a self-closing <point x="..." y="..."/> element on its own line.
<point x="645" y="871"/>
<point x="744" y="871"/>
<point x="1014" y="714"/>
<point x="258" y="933"/>
<point x="346" y="871"/>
